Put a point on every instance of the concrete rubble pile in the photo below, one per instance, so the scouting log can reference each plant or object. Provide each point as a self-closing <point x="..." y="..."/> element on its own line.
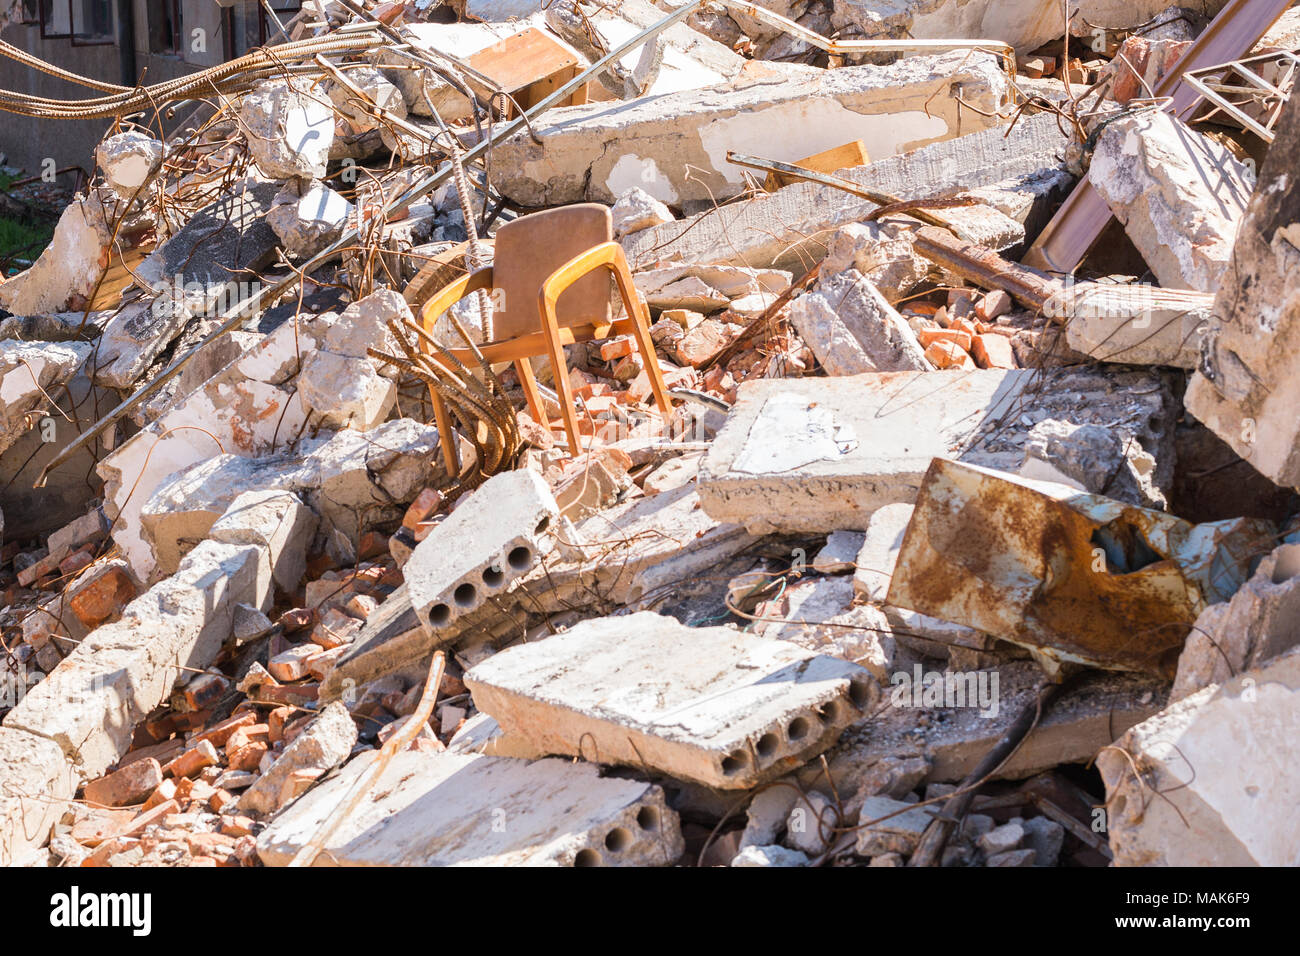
<point x="284" y="550"/>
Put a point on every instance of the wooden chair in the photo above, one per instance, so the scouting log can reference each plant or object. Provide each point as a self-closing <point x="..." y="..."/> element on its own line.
<point x="550" y="292"/>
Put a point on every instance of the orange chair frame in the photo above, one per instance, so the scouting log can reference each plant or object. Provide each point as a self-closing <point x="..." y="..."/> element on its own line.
<point x="549" y="341"/>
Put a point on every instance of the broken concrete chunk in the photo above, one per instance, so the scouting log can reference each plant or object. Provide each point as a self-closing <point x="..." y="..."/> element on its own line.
<point x="352" y="481"/>
<point x="1179" y="194"/>
<point x="277" y="522"/>
<point x="810" y="827"/>
<point x="307" y="219"/>
<point x="1135" y="324"/>
<point x="289" y="128"/>
<point x="209" y="266"/>
<point x="326" y="743"/>
<point x="1138" y="571"/>
<point x="1025" y="24"/>
<point x="851" y="328"/>
<point x="91" y="703"/>
<point x="889" y="826"/>
<point x="69" y="268"/>
<point x="597" y="152"/>
<point x="491" y="539"/>
<point x="376" y="91"/>
<point x="840" y="552"/>
<point x="1045" y="837"/>
<point x="128" y="159"/>
<point x="635" y="210"/>
<point x="882" y="252"/>
<point x="30" y="373"/>
<point x="344" y="392"/>
<point x="445" y="809"/>
<point x="969" y="711"/>
<point x="1245" y="390"/>
<point x="769" y="856"/>
<point x="35" y="781"/>
<point x="879" y="552"/>
<point x="1223" y="761"/>
<point x="1094" y="459"/>
<point x="822" y="455"/>
<point x="1258" y="623"/>
<point x="706" y="288"/>
<point x="708" y="704"/>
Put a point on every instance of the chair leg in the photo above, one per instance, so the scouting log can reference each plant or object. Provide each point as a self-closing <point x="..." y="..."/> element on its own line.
<point x="528" y="381"/>
<point x="560" y="372"/>
<point x="641" y="332"/>
<point x="446" y="435"/>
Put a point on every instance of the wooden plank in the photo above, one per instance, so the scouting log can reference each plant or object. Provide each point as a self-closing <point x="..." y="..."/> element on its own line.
<point x="828" y="161"/>
<point x="118" y="278"/>
<point x="530" y="66"/>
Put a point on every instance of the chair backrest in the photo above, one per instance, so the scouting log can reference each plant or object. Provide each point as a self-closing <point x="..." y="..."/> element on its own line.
<point x="532" y="247"/>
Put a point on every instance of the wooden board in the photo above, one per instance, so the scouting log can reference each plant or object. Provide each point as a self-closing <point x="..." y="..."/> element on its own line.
<point x="117" y="278"/>
<point x="530" y="66"/>
<point x="827" y="161"/>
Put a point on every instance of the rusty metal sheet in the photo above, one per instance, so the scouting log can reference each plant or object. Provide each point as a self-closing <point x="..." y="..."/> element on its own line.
<point x="1062" y="245"/>
<point x="1073" y="577"/>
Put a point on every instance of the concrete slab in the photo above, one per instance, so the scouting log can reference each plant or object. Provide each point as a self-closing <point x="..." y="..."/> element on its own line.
<point x="791" y="228"/>
<point x="631" y="553"/>
<point x="1093" y="713"/>
<point x="709" y="704"/>
<point x="821" y="455"/>
<point x="495" y="536"/>
<point x="1245" y="390"/>
<point x="598" y="151"/>
<point x="445" y="809"/>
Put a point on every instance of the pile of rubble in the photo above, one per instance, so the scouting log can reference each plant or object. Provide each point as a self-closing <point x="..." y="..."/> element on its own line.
<point x="955" y="527"/>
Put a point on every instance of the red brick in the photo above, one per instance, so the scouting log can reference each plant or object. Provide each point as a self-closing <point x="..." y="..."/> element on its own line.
<point x="247" y="757"/>
<point x="95" y="825"/>
<point x="31" y="574"/>
<point x="149" y="817"/>
<point x="236" y="826"/>
<point x="956" y="336"/>
<point x="297" y="619"/>
<point x="616" y="348"/>
<point x="103" y="598"/>
<point x="166" y="791"/>
<point x="275" y="722"/>
<point x="993" y="351"/>
<point x="193" y="760"/>
<point x="295" y="694"/>
<point x="132" y="784"/>
<point x="205" y="690"/>
<point x="77" y="561"/>
<point x="219" y="734"/>
<point x="252" y="733"/>
<point x="426" y="503"/>
<point x="945" y="354"/>
<point x="993" y="304"/>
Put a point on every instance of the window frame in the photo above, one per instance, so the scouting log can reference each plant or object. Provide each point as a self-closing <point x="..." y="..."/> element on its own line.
<point x="110" y="39"/>
<point x="178" y="27"/>
<point x="41" y="7"/>
<point x="265" y="28"/>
